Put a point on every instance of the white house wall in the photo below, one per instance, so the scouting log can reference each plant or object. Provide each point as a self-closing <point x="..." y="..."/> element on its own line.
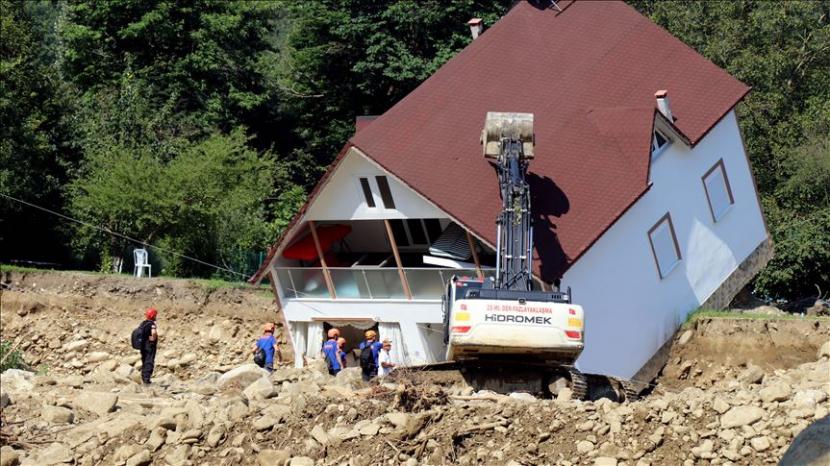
<point x="420" y="321"/>
<point x="630" y="311"/>
<point x="342" y="198"/>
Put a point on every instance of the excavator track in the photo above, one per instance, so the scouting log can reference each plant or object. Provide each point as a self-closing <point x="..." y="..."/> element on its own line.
<point x="533" y="378"/>
<point x="631" y="390"/>
<point x="579" y="384"/>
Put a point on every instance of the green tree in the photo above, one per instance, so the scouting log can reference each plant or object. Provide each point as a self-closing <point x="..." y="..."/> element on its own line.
<point x="36" y="137"/>
<point x="347" y="58"/>
<point x="206" y="202"/>
<point x="202" y="59"/>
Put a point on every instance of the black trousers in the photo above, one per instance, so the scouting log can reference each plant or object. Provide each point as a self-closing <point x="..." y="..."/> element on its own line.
<point x="369" y="373"/>
<point x="148" y="362"/>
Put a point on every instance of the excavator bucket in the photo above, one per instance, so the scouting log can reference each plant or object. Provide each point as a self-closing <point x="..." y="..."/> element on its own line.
<point x="499" y="126"/>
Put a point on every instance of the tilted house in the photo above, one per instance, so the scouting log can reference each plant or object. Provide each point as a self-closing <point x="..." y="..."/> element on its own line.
<point x="643" y="196"/>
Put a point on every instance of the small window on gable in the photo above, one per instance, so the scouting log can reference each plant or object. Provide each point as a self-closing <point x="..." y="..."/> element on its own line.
<point x="718" y="191"/>
<point x="367" y="192"/>
<point x="664" y="246"/>
<point x="659" y="141"/>
<point x="385" y="192"/>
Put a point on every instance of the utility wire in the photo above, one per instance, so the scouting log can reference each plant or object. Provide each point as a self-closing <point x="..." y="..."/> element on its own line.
<point x="123" y="236"/>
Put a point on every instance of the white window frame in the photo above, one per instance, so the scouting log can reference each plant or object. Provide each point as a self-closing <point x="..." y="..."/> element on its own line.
<point x="719" y="165"/>
<point x="678" y="256"/>
<point x="655" y="149"/>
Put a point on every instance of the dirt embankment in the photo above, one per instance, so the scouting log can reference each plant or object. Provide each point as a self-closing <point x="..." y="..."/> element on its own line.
<point x="59" y="318"/>
<point x="714" y="349"/>
<point x="734" y="393"/>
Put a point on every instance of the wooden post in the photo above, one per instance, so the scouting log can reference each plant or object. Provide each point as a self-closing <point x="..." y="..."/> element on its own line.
<point x="404" y="281"/>
<point x="281" y="315"/>
<point x="326" y="276"/>
<point x="475" y="254"/>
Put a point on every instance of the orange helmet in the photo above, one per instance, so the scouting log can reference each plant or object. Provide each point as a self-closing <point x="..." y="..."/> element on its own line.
<point x="333" y="333"/>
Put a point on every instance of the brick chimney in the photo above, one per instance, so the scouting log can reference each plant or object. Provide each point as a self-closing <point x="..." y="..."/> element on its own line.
<point x="476" y="27"/>
<point x="662" y="97"/>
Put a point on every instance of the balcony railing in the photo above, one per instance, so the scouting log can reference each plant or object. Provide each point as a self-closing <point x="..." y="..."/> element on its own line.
<point x="368" y="282"/>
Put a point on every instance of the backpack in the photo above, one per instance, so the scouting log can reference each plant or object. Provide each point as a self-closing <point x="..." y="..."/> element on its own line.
<point x="259" y="357"/>
<point x="367" y="358"/>
<point x="137" y="337"/>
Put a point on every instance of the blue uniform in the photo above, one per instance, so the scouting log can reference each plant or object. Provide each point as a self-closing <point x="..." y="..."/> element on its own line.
<point x="370" y="372"/>
<point x="267" y="344"/>
<point x="332" y="353"/>
<point x="376" y="347"/>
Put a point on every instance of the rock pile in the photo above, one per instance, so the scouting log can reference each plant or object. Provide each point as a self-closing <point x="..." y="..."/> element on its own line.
<point x="305" y="417"/>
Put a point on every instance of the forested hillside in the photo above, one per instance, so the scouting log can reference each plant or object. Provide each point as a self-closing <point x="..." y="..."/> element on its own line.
<point x="199" y="126"/>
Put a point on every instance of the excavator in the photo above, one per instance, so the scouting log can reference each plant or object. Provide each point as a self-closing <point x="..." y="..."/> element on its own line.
<point x="503" y="333"/>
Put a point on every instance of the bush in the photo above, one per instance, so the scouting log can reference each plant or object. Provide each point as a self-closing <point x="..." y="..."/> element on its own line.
<point x="9" y="358"/>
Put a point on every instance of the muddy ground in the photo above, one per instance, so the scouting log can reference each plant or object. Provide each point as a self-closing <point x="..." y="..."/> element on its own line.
<point x="734" y="392"/>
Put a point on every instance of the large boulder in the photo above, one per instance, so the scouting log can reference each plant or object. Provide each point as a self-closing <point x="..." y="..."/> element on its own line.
<point x="56" y="453"/>
<point x="776" y="392"/>
<point x="75" y="345"/>
<point x="273" y="457"/>
<point x="9" y="456"/>
<point x="741" y="416"/>
<point x="260" y="389"/>
<point x="16" y="380"/>
<point x="811" y="447"/>
<point x="242" y="376"/>
<point x="57" y="415"/>
<point x="99" y="403"/>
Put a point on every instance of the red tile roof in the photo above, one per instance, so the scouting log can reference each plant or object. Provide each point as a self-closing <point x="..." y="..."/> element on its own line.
<point x="588" y="74"/>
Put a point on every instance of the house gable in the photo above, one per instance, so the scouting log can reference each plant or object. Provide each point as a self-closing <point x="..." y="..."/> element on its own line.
<point x="343" y="197"/>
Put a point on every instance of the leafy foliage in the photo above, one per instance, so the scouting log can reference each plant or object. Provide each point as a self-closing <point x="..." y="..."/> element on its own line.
<point x="10" y="358"/>
<point x="207" y="201"/>
<point x="36" y="151"/>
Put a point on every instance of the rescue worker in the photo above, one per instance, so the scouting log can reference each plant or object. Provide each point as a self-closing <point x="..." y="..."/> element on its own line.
<point x="268" y="343"/>
<point x="341" y="345"/>
<point x="331" y="352"/>
<point x="369" y="350"/>
<point x="148" y="349"/>
<point x="385" y="364"/>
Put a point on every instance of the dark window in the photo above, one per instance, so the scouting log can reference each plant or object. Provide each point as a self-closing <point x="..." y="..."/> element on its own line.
<point x="433" y="228"/>
<point x="416" y="231"/>
<point x="399" y="232"/>
<point x="367" y="192"/>
<point x="385" y="193"/>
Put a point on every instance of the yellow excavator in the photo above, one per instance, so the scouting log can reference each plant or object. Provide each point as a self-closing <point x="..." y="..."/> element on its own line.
<point x="501" y="333"/>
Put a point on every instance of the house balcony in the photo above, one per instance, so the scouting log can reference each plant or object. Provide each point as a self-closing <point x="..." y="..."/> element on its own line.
<point x="385" y="259"/>
<point x="369" y="283"/>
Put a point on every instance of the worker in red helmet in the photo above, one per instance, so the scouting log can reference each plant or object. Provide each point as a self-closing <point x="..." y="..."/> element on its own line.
<point x="148" y="344"/>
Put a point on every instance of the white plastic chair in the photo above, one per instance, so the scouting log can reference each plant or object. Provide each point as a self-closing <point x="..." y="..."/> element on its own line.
<point x="142" y="260"/>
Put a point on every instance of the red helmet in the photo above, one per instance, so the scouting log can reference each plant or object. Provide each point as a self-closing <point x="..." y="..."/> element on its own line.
<point x="151" y="313"/>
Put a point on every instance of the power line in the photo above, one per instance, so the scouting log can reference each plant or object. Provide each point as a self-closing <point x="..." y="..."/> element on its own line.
<point x="123" y="236"/>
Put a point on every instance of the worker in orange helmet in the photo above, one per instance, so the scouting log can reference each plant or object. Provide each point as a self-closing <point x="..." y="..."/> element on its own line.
<point x="332" y="352"/>
<point x="266" y="347"/>
<point x="148" y="344"/>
